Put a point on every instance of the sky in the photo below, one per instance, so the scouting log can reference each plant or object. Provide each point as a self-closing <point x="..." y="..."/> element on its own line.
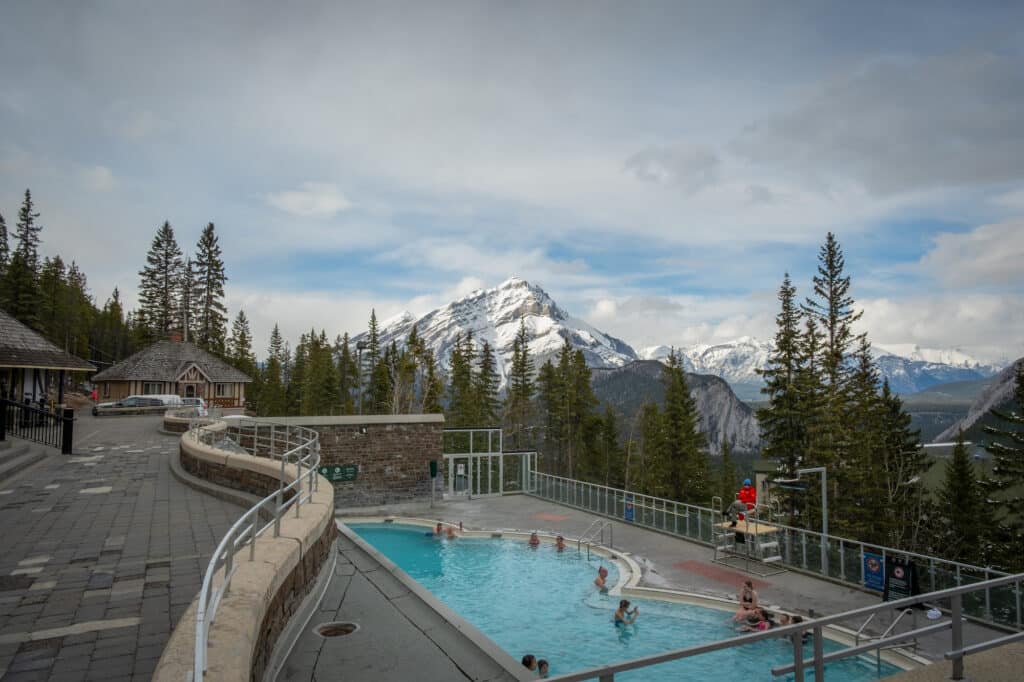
<point x="655" y="167"/>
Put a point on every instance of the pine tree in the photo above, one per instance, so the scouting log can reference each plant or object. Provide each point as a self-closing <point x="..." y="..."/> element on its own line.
<point x="211" y="319"/>
<point x="347" y="377"/>
<point x="461" y="411"/>
<point x="684" y="461"/>
<point x="189" y="300"/>
<point x="485" y="387"/>
<point x="52" y="314"/>
<point x="549" y="397"/>
<point x="80" y="312"/>
<point x="5" y="249"/>
<point x="965" y="516"/>
<point x="320" y="389"/>
<point x="648" y="464"/>
<point x="433" y="387"/>
<point x="1006" y="445"/>
<point x="160" y="284"/>
<point x="402" y="366"/>
<point x="521" y="388"/>
<point x="727" y="480"/>
<point x="20" y="291"/>
<point x="612" y="471"/>
<point x="240" y="345"/>
<point x="273" y="401"/>
<point x="783" y="427"/>
<point x="904" y="463"/>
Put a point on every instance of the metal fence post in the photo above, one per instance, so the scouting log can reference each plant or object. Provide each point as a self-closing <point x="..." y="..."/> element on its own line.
<point x="819" y="661"/>
<point x="798" y="656"/>
<point x="68" y="431"/>
<point x="956" y="612"/>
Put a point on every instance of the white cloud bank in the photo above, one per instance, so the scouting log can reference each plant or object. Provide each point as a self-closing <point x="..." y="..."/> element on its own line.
<point x="987" y="255"/>
<point x="312" y="200"/>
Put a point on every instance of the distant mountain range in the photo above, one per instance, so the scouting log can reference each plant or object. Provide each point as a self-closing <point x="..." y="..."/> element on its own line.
<point x="494" y="315"/>
<point x="998" y="394"/>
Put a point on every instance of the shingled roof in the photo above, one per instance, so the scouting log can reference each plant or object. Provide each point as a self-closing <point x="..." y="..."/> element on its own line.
<point x="166" y="360"/>
<point x="22" y="347"/>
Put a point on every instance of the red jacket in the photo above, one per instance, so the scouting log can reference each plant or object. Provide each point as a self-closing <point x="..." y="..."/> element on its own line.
<point x="748" y="496"/>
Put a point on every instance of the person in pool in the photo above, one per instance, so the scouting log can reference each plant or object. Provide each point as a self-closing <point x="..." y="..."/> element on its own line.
<point x="560" y="543"/>
<point x="534" y="540"/>
<point x="529" y="662"/>
<point x="451" y="533"/>
<point x="622" y="615"/>
<point x="602" y="575"/>
<point x="748" y="601"/>
<point x="439" y="529"/>
<point x="764" y="622"/>
<point x="542" y="668"/>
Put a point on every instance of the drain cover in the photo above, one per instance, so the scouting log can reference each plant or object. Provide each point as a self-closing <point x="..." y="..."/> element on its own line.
<point x="336" y="629"/>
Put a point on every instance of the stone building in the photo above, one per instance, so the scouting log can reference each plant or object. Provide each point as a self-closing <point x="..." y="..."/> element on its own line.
<point x="174" y="367"/>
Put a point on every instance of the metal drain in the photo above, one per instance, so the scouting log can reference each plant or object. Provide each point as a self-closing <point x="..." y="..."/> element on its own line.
<point x="337" y="629"/>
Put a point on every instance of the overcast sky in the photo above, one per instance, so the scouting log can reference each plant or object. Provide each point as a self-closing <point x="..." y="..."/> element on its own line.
<point x="655" y="167"/>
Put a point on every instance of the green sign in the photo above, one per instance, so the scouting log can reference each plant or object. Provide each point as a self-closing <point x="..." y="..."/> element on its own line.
<point x="340" y="472"/>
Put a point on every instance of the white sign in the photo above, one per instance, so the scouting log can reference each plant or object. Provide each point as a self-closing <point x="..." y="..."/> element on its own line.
<point x="460" y="469"/>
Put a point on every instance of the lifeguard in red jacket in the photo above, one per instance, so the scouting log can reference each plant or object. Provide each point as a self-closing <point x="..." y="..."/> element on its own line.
<point x="747" y="494"/>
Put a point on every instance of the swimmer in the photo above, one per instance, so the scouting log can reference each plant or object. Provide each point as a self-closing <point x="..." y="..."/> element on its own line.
<point x="602" y="574"/>
<point x="748" y="601"/>
<point x="542" y="668"/>
<point x="451" y="533"/>
<point x="534" y="540"/>
<point x="623" y="613"/>
<point x="560" y="543"/>
<point x="439" y="529"/>
<point x="764" y="622"/>
<point x="529" y="662"/>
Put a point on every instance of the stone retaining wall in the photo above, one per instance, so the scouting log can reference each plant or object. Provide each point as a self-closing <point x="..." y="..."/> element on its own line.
<point x="265" y="592"/>
<point x="393" y="453"/>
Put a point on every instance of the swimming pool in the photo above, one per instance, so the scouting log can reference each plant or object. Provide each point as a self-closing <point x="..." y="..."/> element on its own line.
<point x="543" y="602"/>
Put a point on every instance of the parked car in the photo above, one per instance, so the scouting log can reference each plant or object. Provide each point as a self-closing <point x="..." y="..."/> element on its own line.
<point x="138" y="404"/>
<point x="201" y="408"/>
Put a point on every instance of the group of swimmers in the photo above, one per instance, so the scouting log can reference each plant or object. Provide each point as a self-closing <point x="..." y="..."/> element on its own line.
<point x="752" y="617"/>
<point x="539" y="666"/>
<point x="534" y="542"/>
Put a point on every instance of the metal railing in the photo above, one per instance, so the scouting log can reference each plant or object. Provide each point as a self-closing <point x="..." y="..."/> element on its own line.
<point x="291" y="445"/>
<point x="795" y="633"/>
<point x="54" y="428"/>
<point x="800" y="548"/>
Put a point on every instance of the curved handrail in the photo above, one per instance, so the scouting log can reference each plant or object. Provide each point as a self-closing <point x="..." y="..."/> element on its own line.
<point x="300" y="446"/>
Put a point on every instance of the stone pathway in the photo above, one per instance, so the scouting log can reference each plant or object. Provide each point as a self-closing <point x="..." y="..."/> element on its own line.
<point x="100" y="555"/>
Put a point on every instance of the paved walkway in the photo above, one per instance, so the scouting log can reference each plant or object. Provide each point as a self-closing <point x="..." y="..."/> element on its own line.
<point x="102" y="552"/>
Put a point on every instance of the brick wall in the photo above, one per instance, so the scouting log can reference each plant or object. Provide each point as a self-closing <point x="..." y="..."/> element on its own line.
<point x="393" y="460"/>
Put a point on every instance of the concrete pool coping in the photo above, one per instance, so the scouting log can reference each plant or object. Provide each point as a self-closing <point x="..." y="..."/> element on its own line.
<point x="628" y="581"/>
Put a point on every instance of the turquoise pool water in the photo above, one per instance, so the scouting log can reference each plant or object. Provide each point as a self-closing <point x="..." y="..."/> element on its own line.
<point x="541" y="602"/>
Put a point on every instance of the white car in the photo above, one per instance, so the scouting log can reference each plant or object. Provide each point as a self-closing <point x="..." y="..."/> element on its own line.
<point x="199" y="404"/>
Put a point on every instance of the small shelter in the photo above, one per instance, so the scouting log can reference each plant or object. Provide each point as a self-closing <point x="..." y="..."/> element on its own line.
<point x="174" y="367"/>
<point x="28" y="363"/>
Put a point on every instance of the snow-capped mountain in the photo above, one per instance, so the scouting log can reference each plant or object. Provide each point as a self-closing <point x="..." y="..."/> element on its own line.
<point x="738" y="361"/>
<point x="493" y="315"/>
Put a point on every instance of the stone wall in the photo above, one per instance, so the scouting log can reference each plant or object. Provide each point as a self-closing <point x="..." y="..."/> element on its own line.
<point x="393" y="453"/>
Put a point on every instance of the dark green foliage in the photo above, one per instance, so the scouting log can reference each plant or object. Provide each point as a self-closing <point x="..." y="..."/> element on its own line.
<point x="684" y="462"/>
<point x="319" y="390"/>
<point x="461" y="411"/>
<point x="160" y="284"/>
<point x="964" y="516"/>
<point x="521" y="389"/>
<point x="210" y="323"/>
<point x="1006" y="445"/>
<point x="240" y="352"/>
<point x="485" y="388"/>
<point x="5" y="248"/>
<point x="348" y="377"/>
<point x="20" y="295"/>
<point x="726" y="482"/>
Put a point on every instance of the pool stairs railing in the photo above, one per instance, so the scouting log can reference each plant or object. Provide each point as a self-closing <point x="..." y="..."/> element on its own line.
<point x="595" y="533"/>
<point x="956" y="652"/>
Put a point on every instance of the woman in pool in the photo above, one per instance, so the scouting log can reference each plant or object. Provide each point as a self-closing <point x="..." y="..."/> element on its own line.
<point x="560" y="543"/>
<point x="748" y="601"/>
<point x="534" y="540"/>
<point x="764" y="622"/>
<point x="451" y="533"/>
<point x="602" y="574"/>
<point x="622" y="615"/>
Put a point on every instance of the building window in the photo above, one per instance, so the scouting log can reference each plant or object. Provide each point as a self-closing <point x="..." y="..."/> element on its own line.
<point x="152" y="388"/>
<point x="223" y="390"/>
<point x="106" y="389"/>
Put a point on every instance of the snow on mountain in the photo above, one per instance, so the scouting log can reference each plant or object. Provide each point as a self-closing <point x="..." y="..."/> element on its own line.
<point x="738" y="361"/>
<point x="493" y="315"/>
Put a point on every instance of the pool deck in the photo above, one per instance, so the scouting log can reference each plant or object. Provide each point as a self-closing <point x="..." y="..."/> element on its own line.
<point x="667" y="563"/>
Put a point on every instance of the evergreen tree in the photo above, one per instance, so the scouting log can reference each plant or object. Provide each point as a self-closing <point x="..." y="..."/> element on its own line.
<point x="904" y="463"/>
<point x="485" y="387"/>
<point x="521" y="388"/>
<point x="20" y="291"/>
<point x="296" y="373"/>
<point x="160" y="284"/>
<point x="53" y="300"/>
<point x="320" y="378"/>
<point x="549" y="397"/>
<point x="783" y="427"/>
<point x="684" y="462"/>
<point x="189" y="299"/>
<point x="965" y="516"/>
<point x="211" y="318"/>
<point x="80" y="312"/>
<point x="240" y="345"/>
<point x="1006" y="481"/>
<point x="273" y="401"/>
<point x="5" y="249"/>
<point x="347" y="377"/>
<point x="650" y="453"/>
<point x="832" y="309"/>
<point x="727" y="480"/>
<point x="461" y="410"/>
<point x="433" y="387"/>
<point x="402" y="366"/>
<point x="612" y="472"/>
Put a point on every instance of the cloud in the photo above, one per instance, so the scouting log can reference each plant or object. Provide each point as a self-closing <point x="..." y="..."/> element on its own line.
<point x="313" y="200"/>
<point x="987" y="255"/>
<point x="135" y="125"/>
<point x="903" y="125"/>
<point x="687" y="167"/>
<point x="98" y="178"/>
<point x="1013" y="199"/>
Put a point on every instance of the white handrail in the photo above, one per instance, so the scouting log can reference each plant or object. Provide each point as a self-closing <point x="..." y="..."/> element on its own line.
<point x="303" y="448"/>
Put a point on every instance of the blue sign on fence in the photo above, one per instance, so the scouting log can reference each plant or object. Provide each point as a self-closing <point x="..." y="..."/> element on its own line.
<point x="874" y="571"/>
<point x="627" y="512"/>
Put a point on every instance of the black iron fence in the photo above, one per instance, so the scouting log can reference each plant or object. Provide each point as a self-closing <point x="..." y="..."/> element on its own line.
<point x="53" y="427"/>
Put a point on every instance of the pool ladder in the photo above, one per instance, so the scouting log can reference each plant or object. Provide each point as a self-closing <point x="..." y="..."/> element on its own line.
<point x="592" y="533"/>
